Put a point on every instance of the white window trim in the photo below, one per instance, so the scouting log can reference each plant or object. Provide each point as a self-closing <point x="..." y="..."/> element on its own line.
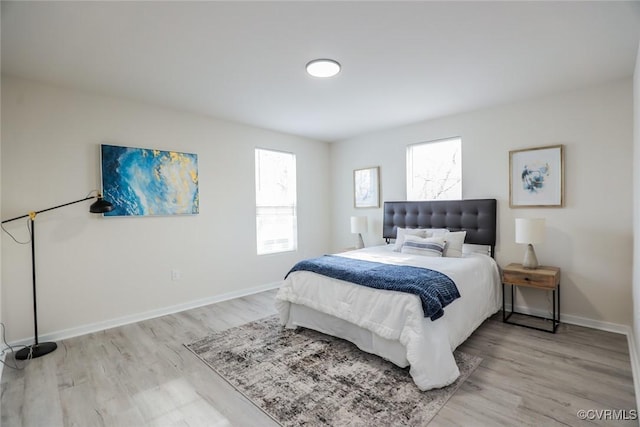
<point x="265" y="208"/>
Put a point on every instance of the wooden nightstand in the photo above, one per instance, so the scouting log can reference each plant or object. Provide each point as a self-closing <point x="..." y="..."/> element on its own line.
<point x="545" y="278"/>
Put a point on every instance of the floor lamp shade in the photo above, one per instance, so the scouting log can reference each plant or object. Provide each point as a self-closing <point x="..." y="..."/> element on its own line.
<point x="38" y="349"/>
<point x="530" y="231"/>
<point x="359" y="225"/>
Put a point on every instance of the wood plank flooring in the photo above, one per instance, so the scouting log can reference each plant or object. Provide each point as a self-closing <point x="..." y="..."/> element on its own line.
<point x="142" y="375"/>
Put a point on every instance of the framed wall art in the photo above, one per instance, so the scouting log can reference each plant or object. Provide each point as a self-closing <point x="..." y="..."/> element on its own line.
<point x="536" y="177"/>
<point x="366" y="188"/>
<point x="142" y="182"/>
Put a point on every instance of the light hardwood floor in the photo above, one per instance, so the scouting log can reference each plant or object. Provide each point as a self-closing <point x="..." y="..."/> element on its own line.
<point x="142" y="375"/>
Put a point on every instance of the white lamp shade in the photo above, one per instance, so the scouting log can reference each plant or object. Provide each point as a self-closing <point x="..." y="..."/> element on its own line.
<point x="530" y="230"/>
<point x="359" y="224"/>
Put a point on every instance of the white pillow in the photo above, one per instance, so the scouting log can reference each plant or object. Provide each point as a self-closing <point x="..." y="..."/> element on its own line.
<point x="469" y="248"/>
<point x="454" y="241"/>
<point x="402" y="232"/>
<point x="436" y="232"/>
<point x="425" y="246"/>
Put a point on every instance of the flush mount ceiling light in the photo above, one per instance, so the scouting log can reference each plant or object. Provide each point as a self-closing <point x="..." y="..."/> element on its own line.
<point x="323" y="68"/>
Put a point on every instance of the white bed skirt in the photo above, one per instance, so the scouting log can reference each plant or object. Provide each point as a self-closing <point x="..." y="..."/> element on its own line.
<point x="392" y="350"/>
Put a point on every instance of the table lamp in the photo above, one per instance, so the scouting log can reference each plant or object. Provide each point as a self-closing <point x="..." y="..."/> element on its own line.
<point x="530" y="231"/>
<point x="359" y="225"/>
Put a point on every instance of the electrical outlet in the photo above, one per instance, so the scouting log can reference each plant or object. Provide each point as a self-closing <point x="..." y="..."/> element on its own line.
<point x="176" y="275"/>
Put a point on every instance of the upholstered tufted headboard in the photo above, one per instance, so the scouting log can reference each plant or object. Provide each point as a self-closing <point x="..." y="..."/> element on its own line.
<point x="477" y="217"/>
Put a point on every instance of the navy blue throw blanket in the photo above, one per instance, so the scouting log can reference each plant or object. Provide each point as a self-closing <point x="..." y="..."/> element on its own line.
<point x="435" y="289"/>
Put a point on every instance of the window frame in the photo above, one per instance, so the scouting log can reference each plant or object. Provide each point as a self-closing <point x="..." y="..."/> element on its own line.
<point x="260" y="245"/>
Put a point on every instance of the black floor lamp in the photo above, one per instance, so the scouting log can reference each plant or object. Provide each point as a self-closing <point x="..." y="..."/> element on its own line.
<point x="40" y="349"/>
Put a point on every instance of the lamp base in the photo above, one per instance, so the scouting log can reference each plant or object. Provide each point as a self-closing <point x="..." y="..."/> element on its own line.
<point x="530" y="259"/>
<point x="36" y="350"/>
<point x="359" y="242"/>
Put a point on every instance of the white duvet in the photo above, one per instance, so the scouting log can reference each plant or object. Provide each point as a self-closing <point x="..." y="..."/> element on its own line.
<point x="427" y="346"/>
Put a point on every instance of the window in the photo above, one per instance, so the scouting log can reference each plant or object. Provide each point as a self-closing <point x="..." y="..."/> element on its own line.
<point x="434" y="170"/>
<point x="276" y="218"/>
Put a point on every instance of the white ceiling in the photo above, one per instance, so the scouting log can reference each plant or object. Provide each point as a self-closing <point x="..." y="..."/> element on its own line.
<point x="244" y="61"/>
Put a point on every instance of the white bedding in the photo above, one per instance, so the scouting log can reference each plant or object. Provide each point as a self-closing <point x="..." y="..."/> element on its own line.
<point x="391" y="324"/>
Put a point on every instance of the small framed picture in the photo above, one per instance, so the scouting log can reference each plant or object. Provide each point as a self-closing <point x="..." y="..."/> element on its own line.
<point x="536" y="177"/>
<point x="366" y="188"/>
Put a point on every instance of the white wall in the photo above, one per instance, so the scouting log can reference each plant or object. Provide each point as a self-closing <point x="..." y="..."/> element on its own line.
<point x="590" y="238"/>
<point x="1" y="318"/>
<point x="91" y="269"/>
<point x="50" y="145"/>
<point x="636" y="224"/>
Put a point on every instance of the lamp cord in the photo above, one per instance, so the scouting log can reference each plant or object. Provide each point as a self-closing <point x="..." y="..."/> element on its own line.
<point x="13" y="237"/>
<point x="11" y="348"/>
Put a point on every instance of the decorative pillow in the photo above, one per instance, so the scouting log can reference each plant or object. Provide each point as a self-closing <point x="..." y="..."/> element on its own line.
<point x="402" y="232"/>
<point x="436" y="232"/>
<point x="425" y="246"/>
<point x="454" y="241"/>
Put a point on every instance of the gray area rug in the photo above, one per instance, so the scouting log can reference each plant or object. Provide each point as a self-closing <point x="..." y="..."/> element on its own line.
<point x="302" y="377"/>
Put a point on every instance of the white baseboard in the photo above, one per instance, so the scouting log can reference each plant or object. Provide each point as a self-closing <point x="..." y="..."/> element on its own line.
<point x="635" y="364"/>
<point x="138" y="317"/>
<point x="576" y="320"/>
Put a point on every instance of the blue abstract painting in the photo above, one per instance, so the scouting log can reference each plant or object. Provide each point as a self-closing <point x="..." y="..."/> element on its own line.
<point x="139" y="181"/>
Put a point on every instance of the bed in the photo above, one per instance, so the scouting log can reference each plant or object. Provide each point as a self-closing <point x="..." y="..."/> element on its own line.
<point x="392" y="324"/>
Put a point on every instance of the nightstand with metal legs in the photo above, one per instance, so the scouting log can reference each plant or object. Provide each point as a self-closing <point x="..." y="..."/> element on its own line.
<point x="545" y="278"/>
